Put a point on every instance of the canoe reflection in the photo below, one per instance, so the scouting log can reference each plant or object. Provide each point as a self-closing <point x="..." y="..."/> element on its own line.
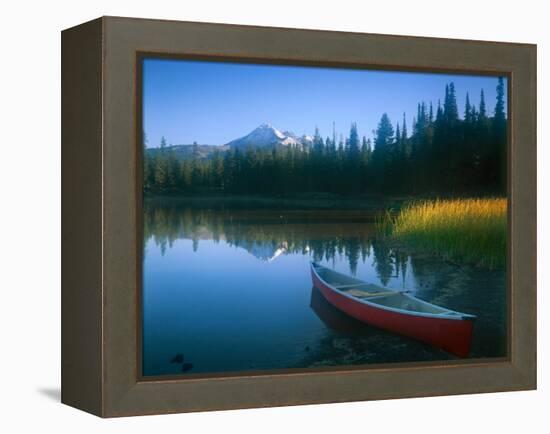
<point x="335" y="319"/>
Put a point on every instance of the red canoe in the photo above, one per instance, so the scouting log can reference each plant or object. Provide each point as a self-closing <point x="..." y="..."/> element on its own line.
<point x="395" y="311"/>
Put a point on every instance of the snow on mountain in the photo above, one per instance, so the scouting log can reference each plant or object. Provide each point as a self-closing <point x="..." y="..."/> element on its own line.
<point x="307" y="140"/>
<point x="267" y="135"/>
<point x="303" y="140"/>
<point x="265" y="251"/>
<point x="264" y="136"/>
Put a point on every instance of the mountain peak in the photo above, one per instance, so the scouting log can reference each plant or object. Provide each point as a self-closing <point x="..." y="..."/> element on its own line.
<point x="266" y="135"/>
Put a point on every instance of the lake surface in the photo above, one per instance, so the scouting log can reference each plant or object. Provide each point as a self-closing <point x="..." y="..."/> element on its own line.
<point x="228" y="290"/>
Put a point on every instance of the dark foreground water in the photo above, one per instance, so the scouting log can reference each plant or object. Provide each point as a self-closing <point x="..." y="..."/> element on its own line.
<point x="230" y="290"/>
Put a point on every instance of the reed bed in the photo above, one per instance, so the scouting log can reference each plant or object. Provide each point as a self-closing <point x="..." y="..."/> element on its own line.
<point x="472" y="230"/>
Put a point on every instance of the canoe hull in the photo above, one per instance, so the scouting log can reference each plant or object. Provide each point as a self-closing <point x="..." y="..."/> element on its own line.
<point x="451" y="335"/>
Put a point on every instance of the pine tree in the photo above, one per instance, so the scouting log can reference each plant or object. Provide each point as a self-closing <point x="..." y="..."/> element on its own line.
<point x="499" y="117"/>
<point x="334" y="135"/>
<point x="499" y="136"/>
<point x="186" y="170"/>
<point x="418" y="126"/>
<point x="146" y="169"/>
<point x="341" y="145"/>
<point x="382" y="154"/>
<point x="482" y="114"/>
<point x="161" y="173"/>
<point x="439" y="152"/>
<point x="160" y="168"/>
<point x="317" y="142"/>
<point x="364" y="145"/>
<point x="353" y="141"/>
<point x="384" y="134"/>
<point x="330" y="146"/>
<point x="423" y="115"/>
<point x="473" y="113"/>
<point x="468" y="110"/>
<point x="446" y="102"/>
<point x="173" y="171"/>
<point x="450" y="108"/>
<point x="218" y="170"/>
<point x="396" y="146"/>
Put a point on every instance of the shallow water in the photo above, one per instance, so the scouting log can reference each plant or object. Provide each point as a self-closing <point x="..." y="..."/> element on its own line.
<point x="230" y="290"/>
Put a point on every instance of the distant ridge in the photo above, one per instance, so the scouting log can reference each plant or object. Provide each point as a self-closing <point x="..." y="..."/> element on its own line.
<point x="264" y="136"/>
<point x="186" y="152"/>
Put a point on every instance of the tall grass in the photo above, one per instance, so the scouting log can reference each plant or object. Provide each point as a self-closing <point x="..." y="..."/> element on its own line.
<point x="472" y="230"/>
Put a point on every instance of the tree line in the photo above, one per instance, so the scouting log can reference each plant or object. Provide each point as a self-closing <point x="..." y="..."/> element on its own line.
<point x="445" y="153"/>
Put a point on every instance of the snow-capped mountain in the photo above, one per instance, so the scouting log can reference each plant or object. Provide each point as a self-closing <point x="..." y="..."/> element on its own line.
<point x="303" y="140"/>
<point x="267" y="135"/>
<point x="264" y="136"/>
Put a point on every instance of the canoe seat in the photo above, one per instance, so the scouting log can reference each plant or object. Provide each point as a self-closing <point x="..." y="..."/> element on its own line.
<point x="364" y="294"/>
<point x="351" y="285"/>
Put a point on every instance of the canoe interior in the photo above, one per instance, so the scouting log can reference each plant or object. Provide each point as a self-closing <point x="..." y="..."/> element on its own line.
<point x="377" y="294"/>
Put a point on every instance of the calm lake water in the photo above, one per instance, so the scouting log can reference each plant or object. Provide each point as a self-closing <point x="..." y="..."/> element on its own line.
<point x="230" y="290"/>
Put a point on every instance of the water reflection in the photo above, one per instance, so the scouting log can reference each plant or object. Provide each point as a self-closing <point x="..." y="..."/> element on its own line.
<point x="230" y="289"/>
<point x="266" y="234"/>
<point x="333" y="318"/>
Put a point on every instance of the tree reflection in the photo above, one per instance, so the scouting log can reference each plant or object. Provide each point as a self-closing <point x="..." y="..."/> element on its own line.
<point x="267" y="234"/>
<point x="383" y="260"/>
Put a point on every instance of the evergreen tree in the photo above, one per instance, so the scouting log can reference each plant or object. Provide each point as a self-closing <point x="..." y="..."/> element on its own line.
<point x="330" y="146"/>
<point x="499" y="136"/>
<point x="317" y="142"/>
<point x="384" y="134"/>
<point x="173" y="171"/>
<point x="161" y="169"/>
<point x="218" y="171"/>
<point x="482" y="114"/>
<point x="499" y="118"/>
<point x="341" y="145"/>
<point x="468" y="110"/>
<point x="382" y="152"/>
<point x="334" y="135"/>
<point x="397" y="136"/>
<point x="185" y="177"/>
<point x="364" y="146"/>
<point x="450" y="108"/>
<point x="161" y="173"/>
<point x="353" y="141"/>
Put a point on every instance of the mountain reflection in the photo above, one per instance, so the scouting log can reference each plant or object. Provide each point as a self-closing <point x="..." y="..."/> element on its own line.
<point x="270" y="233"/>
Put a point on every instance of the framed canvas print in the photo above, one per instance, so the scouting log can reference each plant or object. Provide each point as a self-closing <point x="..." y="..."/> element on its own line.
<point x="261" y="216"/>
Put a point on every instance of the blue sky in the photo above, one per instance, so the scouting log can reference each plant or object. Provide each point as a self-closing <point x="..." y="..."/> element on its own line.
<point x="216" y="102"/>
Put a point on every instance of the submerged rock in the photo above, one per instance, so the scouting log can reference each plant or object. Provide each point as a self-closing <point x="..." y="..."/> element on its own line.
<point x="178" y="358"/>
<point x="186" y="367"/>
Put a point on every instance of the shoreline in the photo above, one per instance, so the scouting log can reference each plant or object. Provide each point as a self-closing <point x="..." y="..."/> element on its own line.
<point x="312" y="202"/>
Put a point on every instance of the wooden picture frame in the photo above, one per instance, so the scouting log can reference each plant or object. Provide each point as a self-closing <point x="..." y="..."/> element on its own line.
<point x="101" y="217"/>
